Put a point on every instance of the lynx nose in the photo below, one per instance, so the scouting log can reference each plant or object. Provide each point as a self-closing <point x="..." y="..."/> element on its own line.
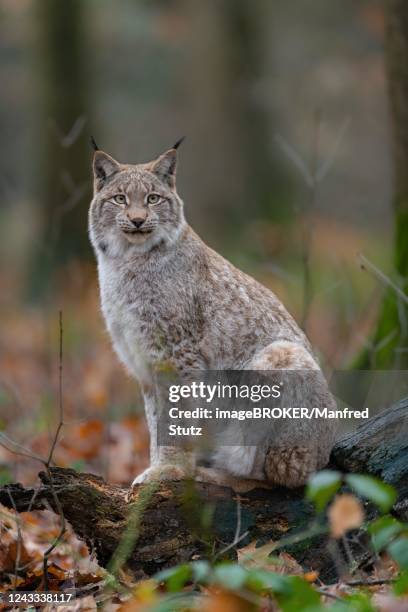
<point x="137" y="222"/>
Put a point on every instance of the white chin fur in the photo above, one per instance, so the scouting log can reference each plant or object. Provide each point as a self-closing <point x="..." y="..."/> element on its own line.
<point x="137" y="237"/>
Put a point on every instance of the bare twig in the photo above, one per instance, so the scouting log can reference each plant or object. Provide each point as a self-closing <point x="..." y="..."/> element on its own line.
<point x="68" y="139"/>
<point x="307" y="228"/>
<point x="325" y="167"/>
<point x="325" y="593"/>
<point x="19" y="542"/>
<point x="18" y="449"/>
<point x="60" y="402"/>
<point x="366" y="264"/>
<point x="312" y="176"/>
<point x="238" y="537"/>
<point x="355" y="583"/>
<point x="61" y="533"/>
<point x="50" y="456"/>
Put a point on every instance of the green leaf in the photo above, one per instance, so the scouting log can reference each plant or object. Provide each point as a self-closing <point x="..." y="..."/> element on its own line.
<point x="383" y="530"/>
<point x="201" y="571"/>
<point x="262" y="580"/>
<point x="322" y="487"/>
<point x="230" y="575"/>
<point x="358" y="602"/>
<point x="5" y="476"/>
<point x="380" y="493"/>
<point x="179" y="602"/>
<point x="401" y="585"/>
<point x="175" y="577"/>
<point x="302" y="596"/>
<point x="399" y="551"/>
<point x="292" y="592"/>
<point x="79" y="465"/>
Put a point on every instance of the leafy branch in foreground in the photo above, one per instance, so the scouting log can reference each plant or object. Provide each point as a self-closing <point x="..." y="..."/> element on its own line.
<point x="260" y="580"/>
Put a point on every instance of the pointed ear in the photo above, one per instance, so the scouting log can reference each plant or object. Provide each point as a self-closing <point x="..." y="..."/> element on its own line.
<point x="165" y="167"/>
<point x="104" y="166"/>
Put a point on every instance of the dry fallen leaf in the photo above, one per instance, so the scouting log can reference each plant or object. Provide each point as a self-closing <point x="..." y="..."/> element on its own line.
<point x="250" y="556"/>
<point x="289" y="565"/>
<point x="225" y="601"/>
<point x="311" y="576"/>
<point x="345" y="513"/>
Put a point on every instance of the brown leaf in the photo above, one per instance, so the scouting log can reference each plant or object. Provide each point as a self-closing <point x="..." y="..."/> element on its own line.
<point x="225" y="601"/>
<point x="289" y="565"/>
<point x="345" y="513"/>
<point x="11" y="553"/>
<point x="311" y="576"/>
<point x="251" y="556"/>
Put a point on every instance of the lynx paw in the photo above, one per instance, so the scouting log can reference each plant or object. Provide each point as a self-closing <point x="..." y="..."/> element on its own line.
<point x="156" y="473"/>
<point x="163" y="471"/>
<point x="290" y="467"/>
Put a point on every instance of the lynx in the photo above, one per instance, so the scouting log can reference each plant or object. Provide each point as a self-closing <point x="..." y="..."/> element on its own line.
<point x="167" y="297"/>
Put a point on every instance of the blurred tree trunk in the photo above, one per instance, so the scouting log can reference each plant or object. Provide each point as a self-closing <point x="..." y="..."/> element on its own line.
<point x="64" y="161"/>
<point x="246" y="27"/>
<point x="231" y="119"/>
<point x="394" y="316"/>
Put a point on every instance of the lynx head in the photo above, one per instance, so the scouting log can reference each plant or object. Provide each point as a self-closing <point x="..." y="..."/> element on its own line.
<point x="134" y="206"/>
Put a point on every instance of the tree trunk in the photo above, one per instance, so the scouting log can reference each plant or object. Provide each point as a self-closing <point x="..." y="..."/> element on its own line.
<point x="64" y="151"/>
<point x="393" y="317"/>
<point x="230" y="119"/>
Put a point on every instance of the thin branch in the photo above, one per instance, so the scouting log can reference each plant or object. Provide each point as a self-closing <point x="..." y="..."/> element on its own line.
<point x="238" y="536"/>
<point x="355" y="583"/>
<point x="331" y="158"/>
<point x="68" y="139"/>
<point x="60" y="401"/>
<point x="296" y="159"/>
<point x="50" y="455"/>
<point x="366" y="264"/>
<point x="307" y="229"/>
<point x="312" y="174"/>
<point x="61" y="533"/>
<point x="19" y="541"/>
<point x="22" y="451"/>
<point x="322" y="591"/>
<point x="19" y="450"/>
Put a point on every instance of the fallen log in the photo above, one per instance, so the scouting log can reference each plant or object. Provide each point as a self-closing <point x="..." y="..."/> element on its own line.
<point x="172" y="522"/>
<point x="378" y="447"/>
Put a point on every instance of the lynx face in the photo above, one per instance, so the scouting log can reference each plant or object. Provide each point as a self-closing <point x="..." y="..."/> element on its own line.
<point x="134" y="206"/>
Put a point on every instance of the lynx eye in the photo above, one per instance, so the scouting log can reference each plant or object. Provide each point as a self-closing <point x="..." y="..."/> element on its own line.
<point x="153" y="198"/>
<point x="120" y="199"/>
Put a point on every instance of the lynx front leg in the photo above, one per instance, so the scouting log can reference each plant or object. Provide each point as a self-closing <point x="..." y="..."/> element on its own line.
<point x="150" y="403"/>
<point x="166" y="463"/>
<point x="171" y="464"/>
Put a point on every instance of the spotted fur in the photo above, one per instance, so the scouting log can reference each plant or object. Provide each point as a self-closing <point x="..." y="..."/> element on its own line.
<point x="168" y="298"/>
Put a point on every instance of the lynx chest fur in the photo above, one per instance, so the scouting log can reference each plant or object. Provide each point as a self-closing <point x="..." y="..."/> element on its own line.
<point x="187" y="305"/>
<point x="152" y="316"/>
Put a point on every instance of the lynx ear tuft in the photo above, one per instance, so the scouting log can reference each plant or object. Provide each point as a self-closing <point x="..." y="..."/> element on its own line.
<point x="104" y="166"/>
<point x="178" y="143"/>
<point x="93" y="144"/>
<point x="165" y="167"/>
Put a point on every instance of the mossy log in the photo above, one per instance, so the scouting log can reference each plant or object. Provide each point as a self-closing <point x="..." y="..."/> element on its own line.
<point x="378" y="447"/>
<point x="172" y="522"/>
